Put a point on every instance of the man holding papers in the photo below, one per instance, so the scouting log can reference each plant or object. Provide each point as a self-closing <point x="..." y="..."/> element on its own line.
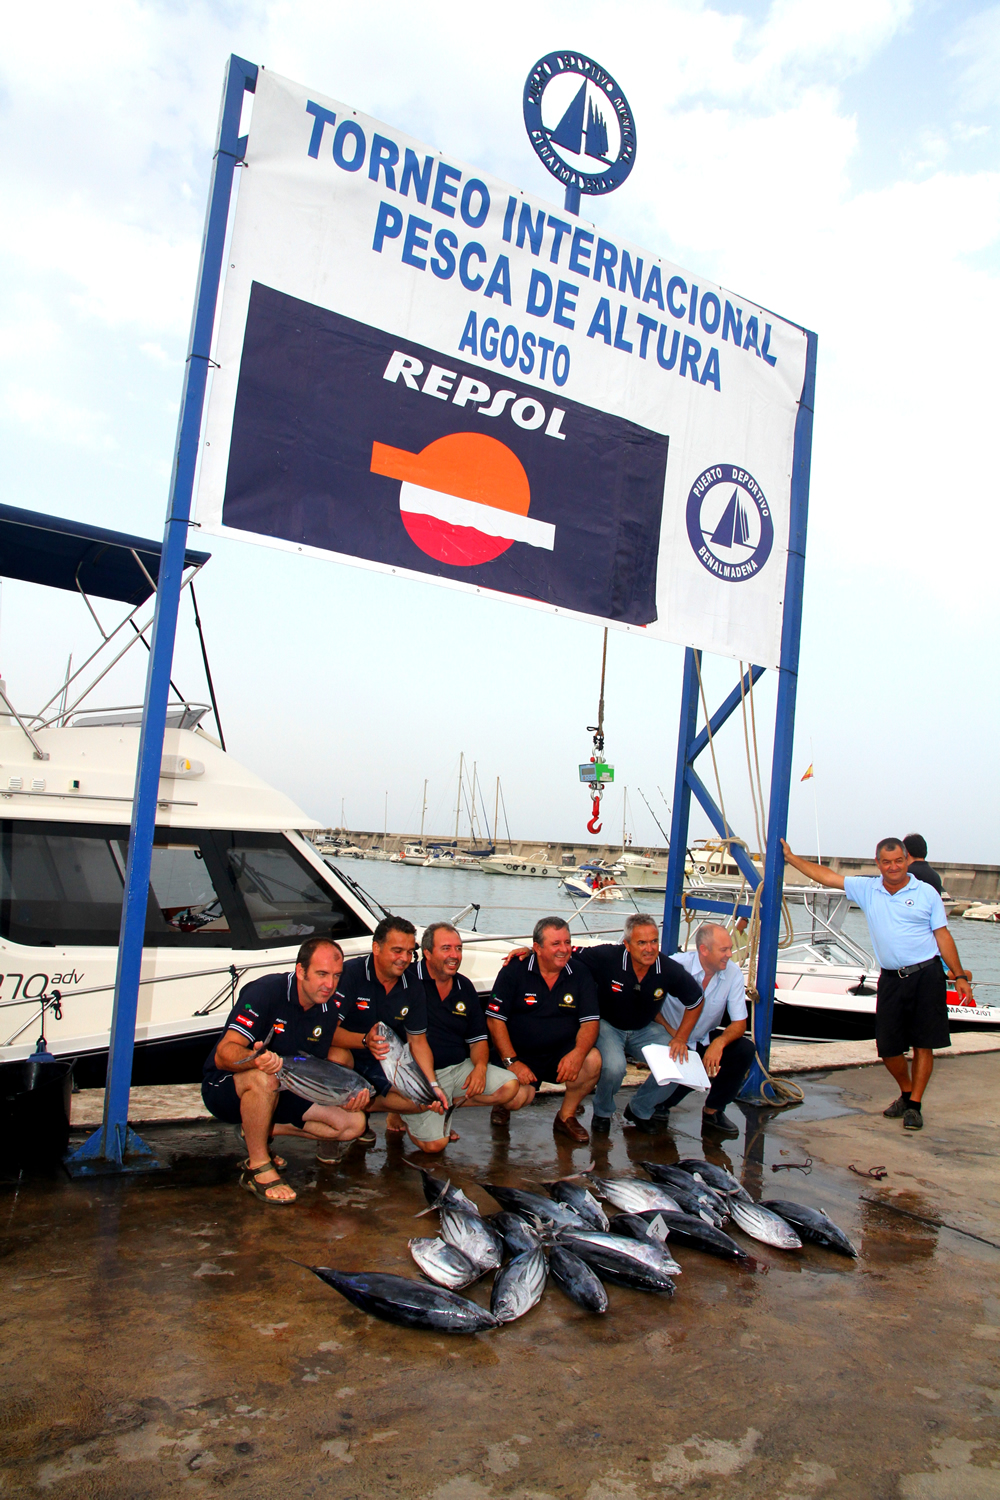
<point x="728" y="1055"/>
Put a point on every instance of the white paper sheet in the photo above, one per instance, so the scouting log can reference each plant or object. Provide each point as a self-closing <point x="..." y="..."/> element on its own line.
<point x="663" y="1068"/>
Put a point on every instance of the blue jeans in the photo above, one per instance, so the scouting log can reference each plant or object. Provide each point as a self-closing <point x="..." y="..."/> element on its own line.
<point x="616" y="1047"/>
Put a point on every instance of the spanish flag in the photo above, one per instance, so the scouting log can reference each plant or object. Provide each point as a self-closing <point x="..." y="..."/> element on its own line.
<point x="809" y="773"/>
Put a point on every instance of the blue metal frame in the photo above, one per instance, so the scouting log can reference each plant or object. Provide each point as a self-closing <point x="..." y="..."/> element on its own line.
<point x="114" y="1147"/>
<point x="691" y="742"/>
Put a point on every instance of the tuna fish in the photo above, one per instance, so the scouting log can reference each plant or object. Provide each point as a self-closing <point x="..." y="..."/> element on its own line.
<point x="716" y="1177"/>
<point x="401" y="1069"/>
<point x="577" y="1280"/>
<point x="319" y="1081"/>
<point x="534" y="1206"/>
<point x="580" y="1200"/>
<point x="643" y="1266"/>
<point x="443" y="1264"/>
<point x="686" y="1229"/>
<point x="632" y="1195"/>
<point x="638" y="1227"/>
<point x="517" y="1234"/>
<point x="518" y="1286"/>
<point x="438" y="1191"/>
<point x="811" y="1224"/>
<point x="679" y="1182"/>
<point x="760" y="1224"/>
<point x="473" y="1236"/>
<point x="414" y="1304"/>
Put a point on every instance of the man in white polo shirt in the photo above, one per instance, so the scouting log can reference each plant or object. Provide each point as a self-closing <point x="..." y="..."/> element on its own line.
<point x="719" y="1032"/>
<point x="909" y="932"/>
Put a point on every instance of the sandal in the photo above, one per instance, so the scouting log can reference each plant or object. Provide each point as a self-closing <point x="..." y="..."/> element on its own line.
<point x="279" y="1162"/>
<point x="248" y="1180"/>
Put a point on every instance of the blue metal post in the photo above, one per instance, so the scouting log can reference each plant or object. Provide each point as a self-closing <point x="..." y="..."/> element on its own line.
<point x="784" y="727"/>
<point x="114" y="1147"/>
<point x="680" y="816"/>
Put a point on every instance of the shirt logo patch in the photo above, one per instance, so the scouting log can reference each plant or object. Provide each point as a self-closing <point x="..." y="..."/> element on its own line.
<point x="657" y="994"/>
<point x="909" y="902"/>
<point x="530" y="1000"/>
<point x="363" y="1004"/>
<point x="279" y="1027"/>
<point x="245" y="1020"/>
<point x="460" y="1008"/>
<point x="617" y="986"/>
<point x="494" y="1007"/>
<point x="317" y="1031"/>
<point x="404" y="1012"/>
<point x="568" y="1000"/>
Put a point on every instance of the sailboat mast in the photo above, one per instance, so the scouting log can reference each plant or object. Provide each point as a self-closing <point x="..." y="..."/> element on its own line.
<point x="423" y="810"/>
<point x="458" y="799"/>
<point x="496" y="813"/>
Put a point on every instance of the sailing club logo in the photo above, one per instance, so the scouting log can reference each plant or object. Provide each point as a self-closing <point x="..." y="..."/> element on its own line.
<point x="729" y="523"/>
<point x="366" y="445"/>
<point x="579" y="122"/>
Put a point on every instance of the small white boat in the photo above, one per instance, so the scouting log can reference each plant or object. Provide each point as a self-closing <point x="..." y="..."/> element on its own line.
<point x="450" y="859"/>
<point x="594" y="882"/>
<point x="536" y="866"/>
<point x="982" y="911"/>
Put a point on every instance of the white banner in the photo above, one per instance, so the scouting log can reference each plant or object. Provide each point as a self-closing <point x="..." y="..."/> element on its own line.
<point x="427" y="372"/>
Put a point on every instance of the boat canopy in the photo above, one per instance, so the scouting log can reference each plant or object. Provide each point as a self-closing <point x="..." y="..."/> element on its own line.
<point x="69" y="555"/>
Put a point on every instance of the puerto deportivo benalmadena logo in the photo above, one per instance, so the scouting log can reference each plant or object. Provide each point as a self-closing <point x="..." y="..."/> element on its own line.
<point x="729" y="523"/>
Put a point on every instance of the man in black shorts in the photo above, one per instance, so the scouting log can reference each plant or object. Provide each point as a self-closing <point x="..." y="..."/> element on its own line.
<point x="377" y="987"/>
<point x="543" y="1020"/>
<point x="281" y="1015"/>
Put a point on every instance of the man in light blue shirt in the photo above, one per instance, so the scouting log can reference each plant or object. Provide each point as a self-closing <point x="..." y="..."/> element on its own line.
<point x="728" y="1055"/>
<point x="909" y="932"/>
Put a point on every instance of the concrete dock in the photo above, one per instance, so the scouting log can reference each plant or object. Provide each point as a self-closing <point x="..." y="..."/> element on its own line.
<point x="159" y="1338"/>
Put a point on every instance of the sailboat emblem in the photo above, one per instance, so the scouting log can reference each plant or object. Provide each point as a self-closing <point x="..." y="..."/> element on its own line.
<point x="729" y="523"/>
<point x="579" y="122"/>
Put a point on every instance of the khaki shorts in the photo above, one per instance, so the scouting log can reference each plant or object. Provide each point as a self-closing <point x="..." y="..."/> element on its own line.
<point x="427" y="1126"/>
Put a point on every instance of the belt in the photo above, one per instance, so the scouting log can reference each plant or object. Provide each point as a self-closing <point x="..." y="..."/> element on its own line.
<point x="909" y="969"/>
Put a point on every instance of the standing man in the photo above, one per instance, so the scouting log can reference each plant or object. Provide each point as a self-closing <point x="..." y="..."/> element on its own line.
<point x="916" y="859"/>
<point x="633" y="979"/>
<point x="290" y="1013"/>
<point x="376" y="987"/>
<point x="726" y="1050"/>
<point x="458" y="1039"/>
<point x="909" y="932"/>
<point x="543" y="1020"/>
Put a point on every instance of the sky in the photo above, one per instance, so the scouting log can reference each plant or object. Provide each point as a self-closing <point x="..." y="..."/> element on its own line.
<point x="837" y="163"/>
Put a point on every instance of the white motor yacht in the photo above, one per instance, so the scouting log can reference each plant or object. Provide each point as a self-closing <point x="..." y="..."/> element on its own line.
<point x="536" y="866"/>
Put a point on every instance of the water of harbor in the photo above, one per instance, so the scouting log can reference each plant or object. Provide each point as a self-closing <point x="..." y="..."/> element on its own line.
<point x="511" y="904"/>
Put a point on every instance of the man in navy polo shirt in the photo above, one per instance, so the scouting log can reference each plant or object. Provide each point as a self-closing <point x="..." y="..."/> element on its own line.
<point x="633" y="978"/>
<point x="909" y="932"/>
<point x="543" y="1019"/>
<point x="376" y="987"/>
<point x="459" y="1041"/>
<point x="281" y="1015"/>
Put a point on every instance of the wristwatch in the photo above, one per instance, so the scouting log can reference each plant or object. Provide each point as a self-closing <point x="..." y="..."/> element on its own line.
<point x="508" y="1060"/>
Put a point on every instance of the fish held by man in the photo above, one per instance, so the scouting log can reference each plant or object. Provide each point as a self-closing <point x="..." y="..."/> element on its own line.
<point x="518" y="1286"/>
<point x="577" y="1280"/>
<point x="413" y="1304"/>
<point x="319" y="1081"/>
<point x="400" y="1067"/>
<point x="443" y="1264"/>
<point x="811" y="1224"/>
<point x="760" y="1224"/>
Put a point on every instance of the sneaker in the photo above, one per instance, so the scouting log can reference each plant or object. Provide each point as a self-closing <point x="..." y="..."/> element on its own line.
<point x="330" y="1153"/>
<point x="648" y="1127"/>
<point x="499" y="1115"/>
<point x="367" y="1136"/>
<point x="600" y="1124"/>
<point x="913" y="1119"/>
<point x="897" y="1108"/>
<point x="720" y="1123"/>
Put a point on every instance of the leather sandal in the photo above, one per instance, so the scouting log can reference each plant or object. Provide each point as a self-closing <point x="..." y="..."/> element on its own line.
<point x="248" y="1180"/>
<point x="279" y="1162"/>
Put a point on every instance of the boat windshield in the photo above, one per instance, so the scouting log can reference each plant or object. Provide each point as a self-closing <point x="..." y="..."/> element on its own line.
<point x="62" y="884"/>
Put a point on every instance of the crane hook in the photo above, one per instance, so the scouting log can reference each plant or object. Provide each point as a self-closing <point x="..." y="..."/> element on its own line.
<point x="594" y="826"/>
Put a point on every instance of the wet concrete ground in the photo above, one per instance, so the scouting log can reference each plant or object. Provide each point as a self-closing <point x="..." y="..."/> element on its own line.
<point x="159" y="1340"/>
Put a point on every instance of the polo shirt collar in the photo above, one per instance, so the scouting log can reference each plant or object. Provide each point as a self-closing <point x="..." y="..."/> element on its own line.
<point x="911" y="882"/>
<point x="627" y="963"/>
<point x="369" y="967"/>
<point x="294" y="995"/>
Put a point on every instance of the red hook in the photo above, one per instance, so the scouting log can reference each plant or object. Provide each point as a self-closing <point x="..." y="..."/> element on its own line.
<point x="594" y="826"/>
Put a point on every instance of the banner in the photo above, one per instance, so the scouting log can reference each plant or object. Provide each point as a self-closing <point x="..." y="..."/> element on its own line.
<point x="424" y="371"/>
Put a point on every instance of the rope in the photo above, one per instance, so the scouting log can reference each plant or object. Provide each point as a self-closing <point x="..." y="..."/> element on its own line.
<point x="746" y="741"/>
<point x="711" y="745"/>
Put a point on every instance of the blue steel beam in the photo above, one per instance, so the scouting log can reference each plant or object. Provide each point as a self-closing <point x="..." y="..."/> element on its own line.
<point x="784" y="729"/>
<point x="745" y="864"/>
<point x="681" y="815"/>
<point x="114" y="1147"/>
<point x="729" y="707"/>
<point x="698" y="903"/>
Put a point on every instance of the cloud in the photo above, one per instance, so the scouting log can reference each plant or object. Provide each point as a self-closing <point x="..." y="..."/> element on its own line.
<point x="46" y="416"/>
